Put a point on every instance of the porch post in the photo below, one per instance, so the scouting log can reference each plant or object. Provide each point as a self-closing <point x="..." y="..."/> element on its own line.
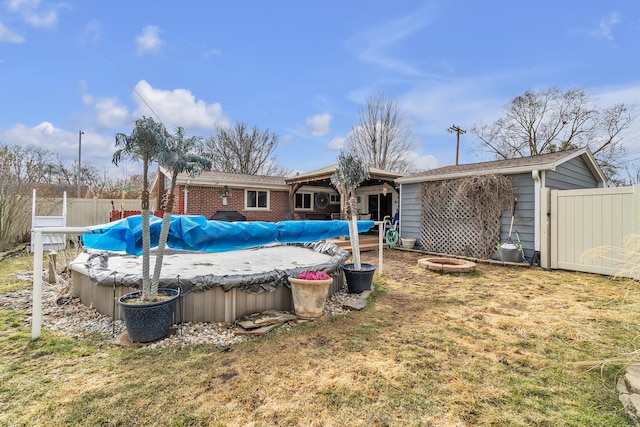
<point x="293" y="188"/>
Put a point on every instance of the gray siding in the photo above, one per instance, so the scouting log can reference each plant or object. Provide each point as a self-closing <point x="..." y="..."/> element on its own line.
<point x="523" y="221"/>
<point x="571" y="175"/>
<point x="410" y="211"/>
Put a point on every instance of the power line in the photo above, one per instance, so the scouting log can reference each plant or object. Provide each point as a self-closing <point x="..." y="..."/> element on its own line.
<point x="128" y="82"/>
<point x="114" y="65"/>
<point x="458" y="131"/>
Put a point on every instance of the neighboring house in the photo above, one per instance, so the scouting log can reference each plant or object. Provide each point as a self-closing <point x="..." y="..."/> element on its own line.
<point x="268" y="198"/>
<point x="572" y="169"/>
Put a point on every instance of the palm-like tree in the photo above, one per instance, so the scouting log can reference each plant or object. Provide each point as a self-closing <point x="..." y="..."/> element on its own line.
<point x="349" y="174"/>
<point x="177" y="157"/>
<point x="146" y="141"/>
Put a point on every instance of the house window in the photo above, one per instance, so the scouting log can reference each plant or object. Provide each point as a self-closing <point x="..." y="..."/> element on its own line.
<point x="256" y="199"/>
<point x="334" y="199"/>
<point x="304" y="201"/>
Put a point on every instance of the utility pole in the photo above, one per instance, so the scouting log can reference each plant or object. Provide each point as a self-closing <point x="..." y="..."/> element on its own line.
<point x="79" y="160"/>
<point x="458" y="131"/>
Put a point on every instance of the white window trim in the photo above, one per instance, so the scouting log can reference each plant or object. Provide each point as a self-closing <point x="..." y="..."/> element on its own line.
<point x="334" y="199"/>
<point x="256" y="208"/>
<point x="311" y="202"/>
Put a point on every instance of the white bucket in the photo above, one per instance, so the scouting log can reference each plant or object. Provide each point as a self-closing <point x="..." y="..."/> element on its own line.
<point x="408" y="242"/>
<point x="509" y="252"/>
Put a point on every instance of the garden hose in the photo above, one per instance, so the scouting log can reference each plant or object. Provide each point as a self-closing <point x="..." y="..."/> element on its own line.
<point x="392" y="237"/>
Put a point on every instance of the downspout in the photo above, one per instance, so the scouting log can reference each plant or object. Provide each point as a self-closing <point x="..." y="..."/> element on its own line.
<point x="185" y="198"/>
<point x="537" y="186"/>
<point x="400" y="213"/>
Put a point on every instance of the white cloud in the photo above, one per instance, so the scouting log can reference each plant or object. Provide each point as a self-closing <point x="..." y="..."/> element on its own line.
<point x="174" y="108"/>
<point x="9" y="36"/>
<point x="149" y="41"/>
<point x="319" y="125"/>
<point x="212" y="53"/>
<point x="629" y="95"/>
<point x="423" y="163"/>
<point x="374" y="46"/>
<point x="16" y="5"/>
<point x="605" y="27"/>
<point x="610" y="95"/>
<point x="43" y="20"/>
<point x="436" y="105"/>
<point x="96" y="148"/>
<point x="31" y="13"/>
<point x="111" y="114"/>
<point x="177" y="107"/>
<point x="92" y="31"/>
<point x="46" y="128"/>
<point x="285" y="139"/>
<point x="338" y="143"/>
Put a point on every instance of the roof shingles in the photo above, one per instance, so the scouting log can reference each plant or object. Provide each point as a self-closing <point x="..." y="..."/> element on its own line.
<point x="522" y="162"/>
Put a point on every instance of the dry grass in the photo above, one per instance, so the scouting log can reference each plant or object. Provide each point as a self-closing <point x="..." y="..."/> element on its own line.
<point x="502" y="346"/>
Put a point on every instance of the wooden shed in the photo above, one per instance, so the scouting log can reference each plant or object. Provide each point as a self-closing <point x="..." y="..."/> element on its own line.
<point x="571" y="169"/>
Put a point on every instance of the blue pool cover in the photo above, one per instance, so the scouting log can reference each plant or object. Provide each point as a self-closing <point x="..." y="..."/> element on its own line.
<point x="196" y="233"/>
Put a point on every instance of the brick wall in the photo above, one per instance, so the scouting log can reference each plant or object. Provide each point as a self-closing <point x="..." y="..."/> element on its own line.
<point x="207" y="201"/>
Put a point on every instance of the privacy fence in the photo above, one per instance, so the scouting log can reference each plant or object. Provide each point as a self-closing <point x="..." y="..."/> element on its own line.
<point x="592" y="230"/>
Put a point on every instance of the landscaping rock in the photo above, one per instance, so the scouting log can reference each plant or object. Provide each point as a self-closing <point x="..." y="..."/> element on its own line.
<point x="632" y="380"/>
<point x="628" y="389"/>
<point x="122" y="340"/>
<point x="355" y="304"/>
<point x="65" y="314"/>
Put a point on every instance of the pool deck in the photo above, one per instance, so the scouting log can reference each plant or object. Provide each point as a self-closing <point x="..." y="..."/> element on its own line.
<point x="368" y="242"/>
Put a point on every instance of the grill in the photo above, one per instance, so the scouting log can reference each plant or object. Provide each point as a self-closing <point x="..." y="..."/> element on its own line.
<point x="228" y="216"/>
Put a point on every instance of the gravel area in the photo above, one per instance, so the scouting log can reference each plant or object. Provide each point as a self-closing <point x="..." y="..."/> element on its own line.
<point x="65" y="314"/>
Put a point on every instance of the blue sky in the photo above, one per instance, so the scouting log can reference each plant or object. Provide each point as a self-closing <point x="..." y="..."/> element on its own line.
<point x="300" y="69"/>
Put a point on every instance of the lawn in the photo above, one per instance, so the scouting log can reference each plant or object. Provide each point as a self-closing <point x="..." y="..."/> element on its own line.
<point x="501" y="346"/>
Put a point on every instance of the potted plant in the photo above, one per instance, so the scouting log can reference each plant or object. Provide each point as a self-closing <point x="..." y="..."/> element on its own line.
<point x="148" y="313"/>
<point x="349" y="174"/>
<point x="309" y="290"/>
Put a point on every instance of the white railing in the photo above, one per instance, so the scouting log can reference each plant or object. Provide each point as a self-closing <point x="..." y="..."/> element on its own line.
<point x="38" y="253"/>
<point x="380" y="225"/>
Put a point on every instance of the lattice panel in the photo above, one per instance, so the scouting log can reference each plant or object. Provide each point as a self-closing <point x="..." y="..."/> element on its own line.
<point x="461" y="219"/>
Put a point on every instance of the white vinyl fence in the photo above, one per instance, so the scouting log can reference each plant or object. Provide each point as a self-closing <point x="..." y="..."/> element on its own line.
<point x="590" y="230"/>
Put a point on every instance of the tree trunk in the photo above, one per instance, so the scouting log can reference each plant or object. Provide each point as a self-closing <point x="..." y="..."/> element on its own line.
<point x="146" y="248"/>
<point x="352" y="213"/>
<point x="355" y="242"/>
<point x="164" y="235"/>
<point x="146" y="236"/>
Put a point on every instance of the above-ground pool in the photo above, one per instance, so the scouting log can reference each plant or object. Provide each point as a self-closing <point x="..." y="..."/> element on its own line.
<point x="215" y="286"/>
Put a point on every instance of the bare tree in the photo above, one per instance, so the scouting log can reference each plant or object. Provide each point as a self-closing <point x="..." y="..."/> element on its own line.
<point x="383" y="137"/>
<point x="632" y="174"/>
<point x="21" y="170"/>
<point x="240" y="150"/>
<point x="119" y="188"/>
<point x="550" y="120"/>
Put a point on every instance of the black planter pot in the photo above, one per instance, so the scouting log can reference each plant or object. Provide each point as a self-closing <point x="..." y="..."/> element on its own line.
<point x="148" y="322"/>
<point x="359" y="280"/>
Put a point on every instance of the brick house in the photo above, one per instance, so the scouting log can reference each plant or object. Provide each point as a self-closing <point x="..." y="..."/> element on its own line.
<point x="273" y="198"/>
